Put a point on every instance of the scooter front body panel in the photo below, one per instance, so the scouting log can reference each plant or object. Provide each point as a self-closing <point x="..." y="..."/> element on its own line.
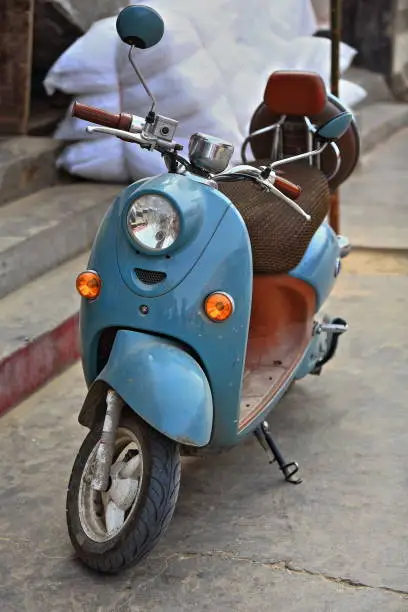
<point x="200" y="213"/>
<point x="219" y="348"/>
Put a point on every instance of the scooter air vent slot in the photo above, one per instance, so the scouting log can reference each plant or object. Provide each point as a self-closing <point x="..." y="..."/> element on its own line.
<point x="150" y="277"/>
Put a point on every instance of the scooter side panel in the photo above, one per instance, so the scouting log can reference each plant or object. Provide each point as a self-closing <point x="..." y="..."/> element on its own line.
<point x="309" y="360"/>
<point x="319" y="268"/>
<point x="163" y="384"/>
<point x="319" y="264"/>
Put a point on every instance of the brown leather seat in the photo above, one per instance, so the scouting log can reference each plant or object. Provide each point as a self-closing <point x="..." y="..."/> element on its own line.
<point x="279" y="235"/>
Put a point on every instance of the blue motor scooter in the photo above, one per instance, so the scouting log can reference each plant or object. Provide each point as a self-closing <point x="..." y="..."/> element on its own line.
<point x="198" y="311"/>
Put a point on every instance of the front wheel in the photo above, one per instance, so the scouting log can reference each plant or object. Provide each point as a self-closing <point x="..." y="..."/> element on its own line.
<point x="117" y="528"/>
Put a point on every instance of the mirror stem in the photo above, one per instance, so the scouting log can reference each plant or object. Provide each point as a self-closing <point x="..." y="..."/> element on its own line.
<point x="143" y="82"/>
<point x="288" y="160"/>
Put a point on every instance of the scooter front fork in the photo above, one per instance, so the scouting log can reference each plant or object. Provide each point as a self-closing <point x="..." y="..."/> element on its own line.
<point x="106" y="446"/>
<point x="289" y="470"/>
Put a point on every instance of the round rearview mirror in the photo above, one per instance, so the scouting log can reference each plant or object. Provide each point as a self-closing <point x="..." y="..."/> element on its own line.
<point x="336" y="127"/>
<point x="140" y="26"/>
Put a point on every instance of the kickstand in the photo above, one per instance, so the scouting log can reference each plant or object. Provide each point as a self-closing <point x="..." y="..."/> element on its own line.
<point x="289" y="470"/>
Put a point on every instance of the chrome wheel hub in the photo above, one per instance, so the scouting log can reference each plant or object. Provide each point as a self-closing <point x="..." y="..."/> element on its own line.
<point x="104" y="514"/>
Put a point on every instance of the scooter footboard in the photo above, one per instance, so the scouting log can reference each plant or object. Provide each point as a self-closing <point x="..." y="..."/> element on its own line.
<point x="160" y="382"/>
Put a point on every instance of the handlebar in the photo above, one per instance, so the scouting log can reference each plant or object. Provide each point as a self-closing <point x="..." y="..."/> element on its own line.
<point x="287" y="187"/>
<point x="276" y="184"/>
<point x="120" y="121"/>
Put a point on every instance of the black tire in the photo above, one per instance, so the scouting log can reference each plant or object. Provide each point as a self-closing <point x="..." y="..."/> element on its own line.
<point x="150" y="517"/>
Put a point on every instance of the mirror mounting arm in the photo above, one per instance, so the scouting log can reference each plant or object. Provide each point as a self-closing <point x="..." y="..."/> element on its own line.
<point x="295" y="158"/>
<point x="151" y="115"/>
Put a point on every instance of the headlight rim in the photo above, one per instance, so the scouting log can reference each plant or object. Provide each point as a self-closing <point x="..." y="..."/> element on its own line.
<point x="140" y="247"/>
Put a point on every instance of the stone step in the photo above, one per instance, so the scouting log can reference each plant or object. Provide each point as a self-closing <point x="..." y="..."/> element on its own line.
<point x="374" y="213"/>
<point x="27" y="164"/>
<point x="375" y="85"/>
<point x="378" y="122"/>
<point x="379" y="115"/>
<point x="41" y="231"/>
<point x="38" y="332"/>
<point x="44" y="122"/>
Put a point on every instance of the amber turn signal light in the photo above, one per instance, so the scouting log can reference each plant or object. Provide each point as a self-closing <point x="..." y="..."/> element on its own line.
<point x="89" y="284"/>
<point x="219" y="306"/>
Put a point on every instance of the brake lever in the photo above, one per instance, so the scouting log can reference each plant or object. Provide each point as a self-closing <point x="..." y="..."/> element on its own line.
<point x="285" y="199"/>
<point x="91" y="129"/>
<point x="139" y="139"/>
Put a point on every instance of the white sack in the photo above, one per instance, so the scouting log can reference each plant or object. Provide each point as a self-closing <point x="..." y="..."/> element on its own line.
<point x="208" y="72"/>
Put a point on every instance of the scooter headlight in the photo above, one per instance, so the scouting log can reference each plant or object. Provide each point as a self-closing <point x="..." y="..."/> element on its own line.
<point x="153" y="222"/>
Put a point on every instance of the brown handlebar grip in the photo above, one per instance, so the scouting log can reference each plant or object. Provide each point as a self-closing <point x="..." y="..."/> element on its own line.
<point x="119" y="121"/>
<point x="287" y="187"/>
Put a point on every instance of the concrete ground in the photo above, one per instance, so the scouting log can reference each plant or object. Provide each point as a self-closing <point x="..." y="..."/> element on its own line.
<point x="374" y="201"/>
<point x="242" y="539"/>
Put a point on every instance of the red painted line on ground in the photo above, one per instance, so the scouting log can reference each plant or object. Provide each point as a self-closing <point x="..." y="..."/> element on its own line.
<point x="33" y="365"/>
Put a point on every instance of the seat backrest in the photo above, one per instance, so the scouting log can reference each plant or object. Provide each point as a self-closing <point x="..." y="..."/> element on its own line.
<point x="295" y="93"/>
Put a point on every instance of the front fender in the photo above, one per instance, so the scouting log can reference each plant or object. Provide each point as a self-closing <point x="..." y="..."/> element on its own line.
<point x="160" y="382"/>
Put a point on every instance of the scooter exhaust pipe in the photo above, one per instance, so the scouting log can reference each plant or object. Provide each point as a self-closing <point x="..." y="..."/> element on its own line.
<point x="106" y="447"/>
